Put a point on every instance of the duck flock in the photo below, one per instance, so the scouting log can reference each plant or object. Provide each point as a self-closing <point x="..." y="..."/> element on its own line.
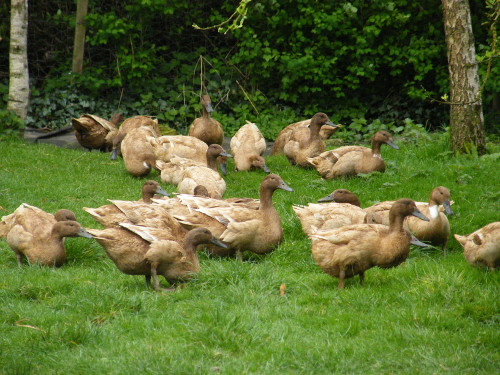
<point x="160" y="235"/>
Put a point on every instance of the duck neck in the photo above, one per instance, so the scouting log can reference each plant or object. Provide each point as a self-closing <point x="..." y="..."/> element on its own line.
<point x="212" y="161"/>
<point x="395" y="222"/>
<point x="205" y="114"/>
<point x="376" y="147"/>
<point x="266" y="199"/>
<point x="189" y="245"/>
<point x="146" y="197"/>
<point x="314" y="129"/>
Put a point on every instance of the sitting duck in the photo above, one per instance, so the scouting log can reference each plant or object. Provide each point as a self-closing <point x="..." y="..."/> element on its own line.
<point x="141" y="250"/>
<point x="189" y="174"/>
<point x="436" y="231"/>
<point x="38" y="235"/>
<point x="169" y="146"/>
<point x="248" y="146"/>
<point x="482" y="247"/>
<point x="138" y="154"/>
<point x="111" y="216"/>
<point x="344" y="210"/>
<point x="353" y="249"/>
<point x="240" y="227"/>
<point x="135" y="122"/>
<point x="306" y="143"/>
<point x="92" y="131"/>
<point x="325" y="132"/>
<point x="351" y="160"/>
<point x="206" y="128"/>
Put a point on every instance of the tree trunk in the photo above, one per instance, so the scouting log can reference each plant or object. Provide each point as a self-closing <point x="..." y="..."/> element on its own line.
<point x="19" y="90"/>
<point x="79" y="43"/>
<point x="466" y="112"/>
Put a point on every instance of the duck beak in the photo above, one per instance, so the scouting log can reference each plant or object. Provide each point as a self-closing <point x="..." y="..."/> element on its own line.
<point x="447" y="208"/>
<point x="114" y="153"/>
<point x="392" y="145"/>
<point x="224" y="153"/>
<point x="215" y="241"/>
<point x="416" y="242"/>
<point x="266" y="169"/>
<point x="329" y="122"/>
<point x="328" y="198"/>
<point x="223" y="168"/>
<point x="284" y="186"/>
<point x="84" y="233"/>
<point x="419" y="214"/>
<point x="209" y="107"/>
<point x="162" y="192"/>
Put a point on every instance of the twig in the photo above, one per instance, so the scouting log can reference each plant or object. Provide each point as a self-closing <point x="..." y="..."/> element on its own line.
<point x="246" y="95"/>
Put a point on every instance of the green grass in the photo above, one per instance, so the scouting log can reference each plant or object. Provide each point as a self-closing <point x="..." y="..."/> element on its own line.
<point x="431" y="315"/>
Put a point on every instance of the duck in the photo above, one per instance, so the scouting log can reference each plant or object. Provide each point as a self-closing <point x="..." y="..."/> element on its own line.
<point x="38" y="235"/>
<point x="206" y="128"/>
<point x="188" y="174"/>
<point x="344" y="210"/>
<point x="138" y="154"/>
<point x="116" y="137"/>
<point x="141" y="250"/>
<point x="201" y="191"/>
<point x="241" y="228"/>
<point x="436" y="231"/>
<point x="306" y="143"/>
<point x="168" y="146"/>
<point x="351" y="160"/>
<point x="92" y="131"/>
<point x="482" y="247"/>
<point x="247" y="147"/>
<point x="141" y="212"/>
<point x="283" y="137"/>
<point x="353" y="249"/>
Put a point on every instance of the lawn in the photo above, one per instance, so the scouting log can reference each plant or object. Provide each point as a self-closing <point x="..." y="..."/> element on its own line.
<point x="431" y="315"/>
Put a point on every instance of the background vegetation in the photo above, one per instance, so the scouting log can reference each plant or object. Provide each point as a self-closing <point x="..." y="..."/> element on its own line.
<point x="355" y="60"/>
<point x="432" y="314"/>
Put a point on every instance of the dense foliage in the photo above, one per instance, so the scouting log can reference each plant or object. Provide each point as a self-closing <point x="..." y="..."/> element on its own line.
<point x="353" y="60"/>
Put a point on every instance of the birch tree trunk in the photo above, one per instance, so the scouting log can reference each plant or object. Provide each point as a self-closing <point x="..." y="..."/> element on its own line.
<point x="79" y="43"/>
<point x="466" y="111"/>
<point x="19" y="91"/>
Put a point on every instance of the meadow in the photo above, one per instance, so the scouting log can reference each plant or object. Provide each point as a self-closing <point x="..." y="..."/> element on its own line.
<point x="431" y="315"/>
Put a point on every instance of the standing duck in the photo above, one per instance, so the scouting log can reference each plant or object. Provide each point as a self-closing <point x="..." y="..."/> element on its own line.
<point x="482" y="248"/>
<point x="306" y="143"/>
<point x="38" y="235"/>
<point x="351" y="160"/>
<point x="283" y="137"/>
<point x="248" y="146"/>
<point x="436" y="231"/>
<point x="240" y="227"/>
<point x="351" y="250"/>
<point x="205" y="127"/>
<point x="92" y="131"/>
<point x="141" y="250"/>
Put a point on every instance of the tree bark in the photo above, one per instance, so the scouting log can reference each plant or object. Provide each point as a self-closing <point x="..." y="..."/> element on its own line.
<point x="19" y="90"/>
<point x="79" y="43"/>
<point x="466" y="111"/>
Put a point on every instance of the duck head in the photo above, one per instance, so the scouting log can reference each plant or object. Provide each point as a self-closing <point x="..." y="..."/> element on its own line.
<point x="63" y="215"/>
<point x="70" y="228"/>
<point x="441" y="195"/>
<point x="341" y="196"/>
<point x="381" y="137"/>
<point x="259" y="162"/>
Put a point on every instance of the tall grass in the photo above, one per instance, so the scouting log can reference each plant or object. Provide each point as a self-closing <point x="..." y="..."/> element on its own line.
<point x="432" y="314"/>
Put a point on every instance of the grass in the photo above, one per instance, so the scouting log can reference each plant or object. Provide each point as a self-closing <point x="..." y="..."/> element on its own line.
<point x="432" y="314"/>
